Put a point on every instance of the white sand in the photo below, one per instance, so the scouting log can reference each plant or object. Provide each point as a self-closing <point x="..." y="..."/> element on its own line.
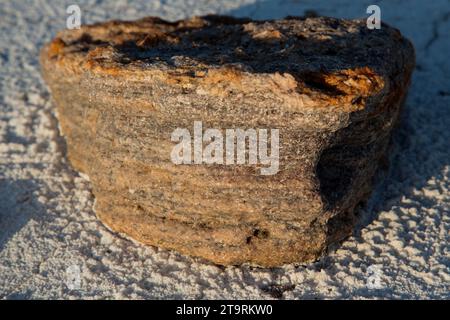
<point x="48" y="227"/>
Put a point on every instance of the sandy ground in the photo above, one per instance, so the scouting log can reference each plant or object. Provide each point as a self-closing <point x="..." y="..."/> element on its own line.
<point x="52" y="245"/>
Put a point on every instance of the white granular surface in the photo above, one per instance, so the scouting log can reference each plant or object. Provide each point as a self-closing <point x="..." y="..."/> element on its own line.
<point x="53" y="246"/>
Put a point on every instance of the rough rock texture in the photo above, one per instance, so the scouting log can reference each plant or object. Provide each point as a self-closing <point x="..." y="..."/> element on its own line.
<point x="332" y="87"/>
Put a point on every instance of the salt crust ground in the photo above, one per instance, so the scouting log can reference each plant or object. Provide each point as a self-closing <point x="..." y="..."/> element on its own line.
<point x="48" y="227"/>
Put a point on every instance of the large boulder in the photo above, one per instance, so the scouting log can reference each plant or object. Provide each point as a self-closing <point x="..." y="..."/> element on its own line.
<point x="332" y="88"/>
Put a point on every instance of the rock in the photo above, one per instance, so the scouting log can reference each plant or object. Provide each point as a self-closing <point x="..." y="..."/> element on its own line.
<point x="332" y="88"/>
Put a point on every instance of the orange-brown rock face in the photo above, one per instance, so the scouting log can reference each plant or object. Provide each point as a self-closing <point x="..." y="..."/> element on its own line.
<point x="332" y="88"/>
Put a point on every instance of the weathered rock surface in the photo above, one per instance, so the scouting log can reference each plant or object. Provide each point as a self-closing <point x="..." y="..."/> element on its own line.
<point x="333" y="88"/>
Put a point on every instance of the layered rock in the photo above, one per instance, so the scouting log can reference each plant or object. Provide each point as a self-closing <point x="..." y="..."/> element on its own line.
<point x="332" y="88"/>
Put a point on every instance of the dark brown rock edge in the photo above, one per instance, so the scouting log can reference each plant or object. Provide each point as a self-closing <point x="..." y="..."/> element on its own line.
<point x="332" y="87"/>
